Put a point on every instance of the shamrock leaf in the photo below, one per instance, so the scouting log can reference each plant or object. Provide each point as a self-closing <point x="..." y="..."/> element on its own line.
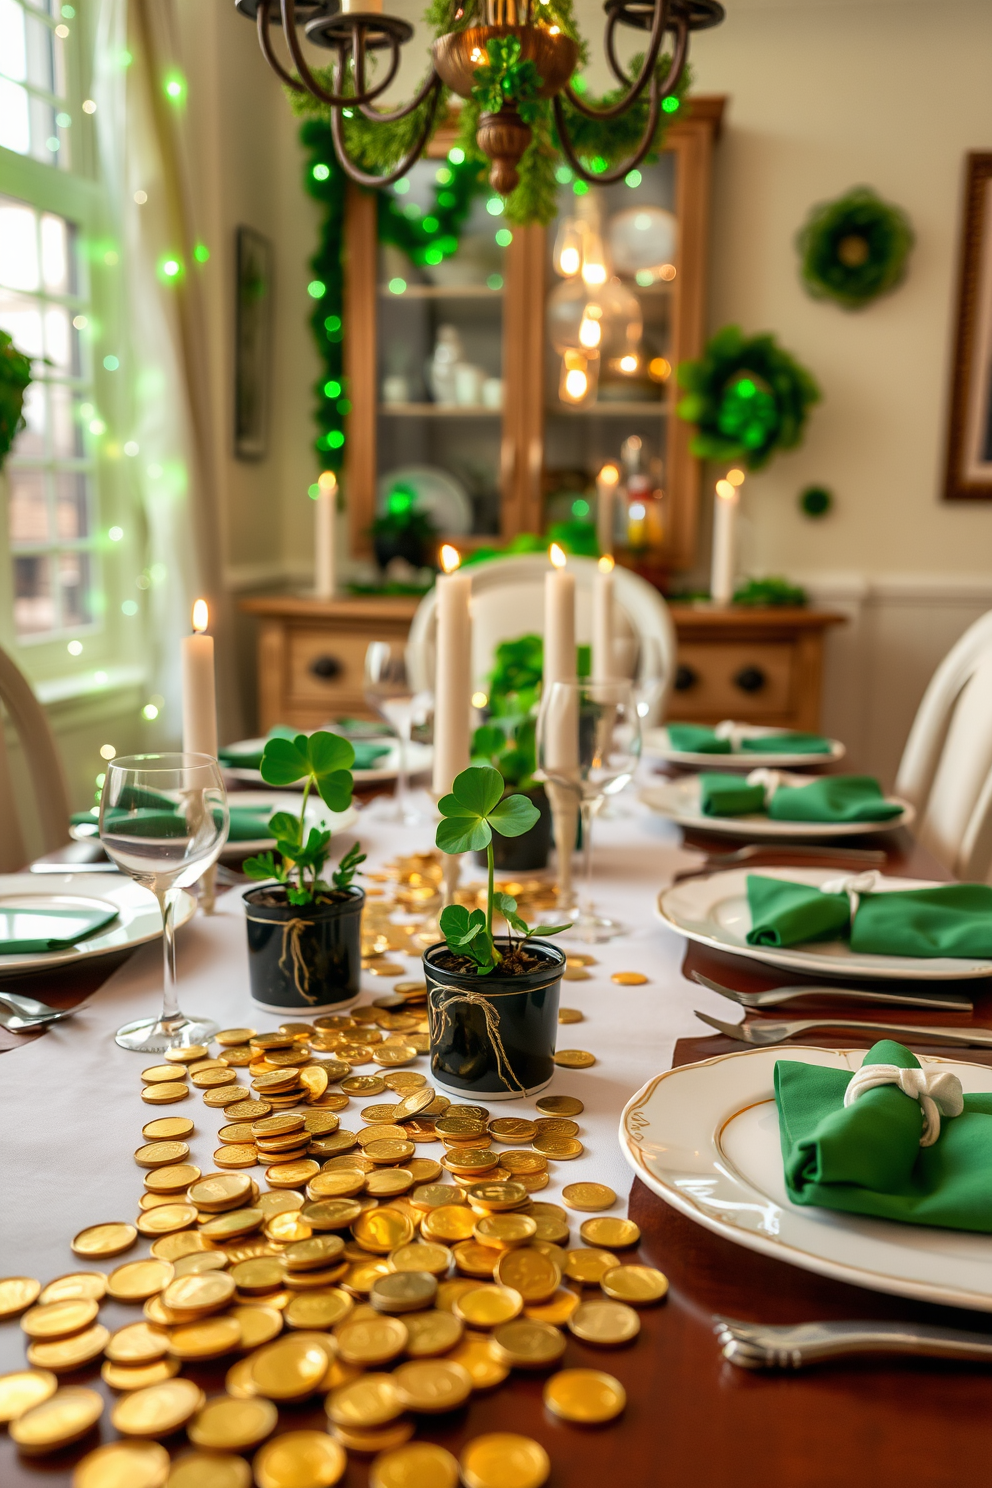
<point x="461" y="834"/>
<point x="477" y="790"/>
<point x="506" y="905"/>
<point x="513" y="816"/>
<point x="330" y="759"/>
<point x="284" y="761"/>
<point x="549" y="929"/>
<point x="285" y="827"/>
<point x="459" y="927"/>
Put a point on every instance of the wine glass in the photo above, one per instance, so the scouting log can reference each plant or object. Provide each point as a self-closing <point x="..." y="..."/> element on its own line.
<point x="164" y="820"/>
<point x="589" y="743"/>
<point x="390" y="690"/>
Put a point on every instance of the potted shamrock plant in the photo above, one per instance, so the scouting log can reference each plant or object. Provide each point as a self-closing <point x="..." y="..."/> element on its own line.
<point x="492" y="999"/>
<point x="304" y="930"/>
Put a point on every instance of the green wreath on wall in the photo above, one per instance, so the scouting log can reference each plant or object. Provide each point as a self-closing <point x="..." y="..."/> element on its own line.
<point x="748" y="398"/>
<point x="854" y="249"/>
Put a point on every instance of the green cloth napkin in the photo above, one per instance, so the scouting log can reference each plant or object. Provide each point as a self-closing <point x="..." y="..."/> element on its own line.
<point x="25" y="932"/>
<point x="239" y="758"/>
<point x="949" y="920"/>
<point x="692" y="738"/>
<point x="832" y="798"/>
<point x="866" y="1158"/>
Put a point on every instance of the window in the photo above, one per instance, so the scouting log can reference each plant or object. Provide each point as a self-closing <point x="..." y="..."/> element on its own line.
<point x="43" y="306"/>
<point x="33" y="89"/>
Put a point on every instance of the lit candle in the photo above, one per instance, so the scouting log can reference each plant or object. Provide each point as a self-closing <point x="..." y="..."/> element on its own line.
<point x="200" y="712"/>
<point x="561" y="745"/>
<point x="325" y="536"/>
<point x="453" y="674"/>
<point x="606" y="487"/>
<point x="724" y="544"/>
<point x="603" y="659"/>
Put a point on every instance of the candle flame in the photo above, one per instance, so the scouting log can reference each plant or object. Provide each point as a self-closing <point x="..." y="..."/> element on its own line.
<point x="735" y="476"/>
<point x="328" y="482"/>
<point x="609" y="475"/>
<point x="201" y="615"/>
<point x="557" y="556"/>
<point x="726" y="490"/>
<point x="450" y="558"/>
<point x="606" y="563"/>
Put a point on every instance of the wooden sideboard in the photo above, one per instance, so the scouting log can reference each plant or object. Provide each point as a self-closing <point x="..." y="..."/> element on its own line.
<point x="758" y="666"/>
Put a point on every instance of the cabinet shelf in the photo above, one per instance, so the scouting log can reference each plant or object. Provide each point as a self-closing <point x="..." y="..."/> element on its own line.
<point x="436" y="410"/>
<point x="632" y="409"/>
<point x="442" y="292"/>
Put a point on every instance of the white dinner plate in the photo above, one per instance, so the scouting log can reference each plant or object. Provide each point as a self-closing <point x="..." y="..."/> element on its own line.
<point x="656" y="743"/>
<point x="138" y="917"/>
<point x="679" y="801"/>
<point x="714" y="910"/>
<point x="419" y="757"/>
<point x="705" y="1138"/>
<point x="317" y="815"/>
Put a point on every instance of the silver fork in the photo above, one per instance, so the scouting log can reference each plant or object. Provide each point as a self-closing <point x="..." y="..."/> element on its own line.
<point x="868" y="856"/>
<point x="16" y="1024"/>
<point x="762" y="1034"/>
<point x="27" y="1007"/>
<point x="949" y="1000"/>
<point x="759" y="1346"/>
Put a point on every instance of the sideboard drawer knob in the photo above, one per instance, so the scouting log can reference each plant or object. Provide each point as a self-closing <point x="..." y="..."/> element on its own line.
<point x="750" y="679"/>
<point x="686" y="677"/>
<point x="326" y="667"/>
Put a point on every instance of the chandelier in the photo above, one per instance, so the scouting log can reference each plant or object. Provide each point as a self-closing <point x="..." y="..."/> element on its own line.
<point x="514" y="51"/>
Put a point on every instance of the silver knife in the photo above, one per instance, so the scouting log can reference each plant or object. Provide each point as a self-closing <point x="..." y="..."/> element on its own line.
<point x="763" y="1346"/>
<point x="946" y="998"/>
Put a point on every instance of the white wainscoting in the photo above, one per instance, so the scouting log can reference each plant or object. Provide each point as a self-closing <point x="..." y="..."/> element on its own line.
<point x="878" y="665"/>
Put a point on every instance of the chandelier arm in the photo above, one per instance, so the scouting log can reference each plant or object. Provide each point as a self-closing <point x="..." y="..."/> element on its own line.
<point x="609" y="178"/>
<point x="262" y="15"/>
<point x="368" y="94"/>
<point x="404" y="108"/>
<point x="310" y="83"/>
<point x="646" y="75"/>
<point x="363" y="178"/>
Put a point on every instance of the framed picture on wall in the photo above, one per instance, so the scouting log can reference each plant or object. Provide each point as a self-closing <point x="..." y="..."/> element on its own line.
<point x="252" y="352"/>
<point x="969" y="440"/>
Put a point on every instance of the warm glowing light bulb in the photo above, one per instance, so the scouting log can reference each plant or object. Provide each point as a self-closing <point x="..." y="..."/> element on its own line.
<point x="570" y="262"/>
<point x="726" y="490"/>
<point x="328" y="482"/>
<point x="576" y="385"/>
<point x="590" y="330"/>
<point x="201" y="615"/>
<point x="594" y="260"/>
<point x="609" y="475"/>
<point x="450" y="558"/>
<point x="628" y="363"/>
<point x="605" y="564"/>
<point x="479" y="699"/>
<point x="557" y="556"/>
<point x="735" y="476"/>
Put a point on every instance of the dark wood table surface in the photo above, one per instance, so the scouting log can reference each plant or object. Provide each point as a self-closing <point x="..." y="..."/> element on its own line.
<point x="691" y="1417"/>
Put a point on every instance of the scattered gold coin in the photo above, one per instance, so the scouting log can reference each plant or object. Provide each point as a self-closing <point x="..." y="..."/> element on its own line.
<point x="136" y="1464"/>
<point x="165" y="1094"/>
<point x="527" y="1344"/>
<point x="606" y="1323"/>
<point x="229" y="1425"/>
<point x="385" y="968"/>
<point x="638" y="1285"/>
<point x="290" y="1368"/>
<point x="557" y="1309"/>
<point x="17" y="1293"/>
<point x="62" y="1355"/>
<point x="504" y="1460"/>
<point x="297" y="1458"/>
<point x="562" y="1149"/>
<point x="609" y="1231"/>
<point x="588" y="1266"/>
<point x="23" y="1389"/>
<point x="63" y="1418"/>
<point x="629" y="978"/>
<point x="587" y="1396"/>
<point x="588" y="1197"/>
<point x="570" y="1015"/>
<point x="167" y="1128"/>
<point x="476" y="1354"/>
<point x="574" y="1058"/>
<point x="60" y="1319"/>
<point x="560" y="1105"/>
<point x="485" y="1307"/>
<point x="432" y="1386"/>
<point x="419" y="1465"/>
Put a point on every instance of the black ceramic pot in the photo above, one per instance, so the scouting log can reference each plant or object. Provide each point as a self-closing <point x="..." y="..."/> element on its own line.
<point x="403" y="544"/>
<point x="493" y="1036"/>
<point x="530" y="851"/>
<point x="304" y="958"/>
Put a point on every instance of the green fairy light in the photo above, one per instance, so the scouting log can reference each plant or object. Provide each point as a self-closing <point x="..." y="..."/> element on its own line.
<point x="670" y="105"/>
<point x="332" y="323"/>
<point x="443" y="176"/>
<point x="495" y="281"/>
<point x="504" y="237"/>
<point x="321" y="171"/>
<point x="433" y="256"/>
<point x="335" y="439"/>
<point x="431" y="224"/>
<point x="456" y="155"/>
<point x="170" y="270"/>
<point x="563" y="175"/>
<point x="316" y="289"/>
<point x="580" y="188"/>
<point x="397" y="286"/>
<point x="633" y="178"/>
<point x="175" y="87"/>
<point x="201" y="253"/>
<point x="332" y="388"/>
<point x="495" y="206"/>
<point x="111" y="363"/>
<point x="402" y="187"/>
<point x="313" y="491"/>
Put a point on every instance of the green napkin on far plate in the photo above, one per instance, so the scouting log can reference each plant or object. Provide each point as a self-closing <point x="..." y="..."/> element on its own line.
<point x="866" y="1158"/>
<point x="948" y="920"/>
<point x="248" y="823"/>
<point x="28" y="931"/>
<point x="692" y="738"/>
<point x="831" y="798"/>
<point x="239" y="758"/>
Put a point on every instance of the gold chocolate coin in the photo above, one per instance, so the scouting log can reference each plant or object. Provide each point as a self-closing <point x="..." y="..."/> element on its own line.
<point x="494" y="1198"/>
<point x="557" y="1309"/>
<point x="571" y="1015"/>
<point x="557" y="1126"/>
<point x="533" y="1273"/>
<point x="24" y="1389"/>
<point x="512" y="1129"/>
<point x="418" y="1465"/>
<point x="299" y="1459"/>
<point x="209" y="1470"/>
<point x="225" y="1097"/>
<point x="157" y="1410"/>
<point x="588" y="1197"/>
<point x="259" y="1324"/>
<point x="220" y="1191"/>
<point x="201" y="1294"/>
<point x="432" y="1386"/>
<point x="449" y="1223"/>
<point x="123" y="1464"/>
<point x="158" y="1074"/>
<point x="237" y="1155"/>
<point x="419" y="1255"/>
<point x="369" y="1401"/>
<point x="138" y="1376"/>
<point x="403" y="1291"/>
<point x="473" y="1259"/>
<point x="17" y="1293"/>
<point x="247" y="1110"/>
<point x="166" y="1219"/>
<point x="104" y="1240"/>
<point x="137" y="1343"/>
<point x="383" y="1230"/>
<point x="229" y="1425"/>
<point x="177" y="1245"/>
<point x="60" y="1319"/>
<point x="173" y="1179"/>
<point x="371" y="1340"/>
<point x="574" y="1058"/>
<point x="560" y="1105"/>
<point x="64" y="1417"/>
<point x="485" y="1307"/>
<point x="313" y="1253"/>
<point x="136" y="1281"/>
<point x="76" y="1284"/>
<point x="587" y="1396"/>
<point x="607" y="1230"/>
<point x="574" y="974"/>
<point x="523" y="1162"/>
<point x="320" y="1309"/>
<point x="207" y="1339"/>
<point x="231" y="1037"/>
<point x="431" y="1333"/>
<point x="62" y="1355"/>
<point x="504" y="1460"/>
<point x="476" y="1354"/>
<point x="505" y="1231"/>
<point x="331" y="1214"/>
<point x="231" y="1224"/>
<point x="551" y="1228"/>
<point x="588" y="1266"/>
<point x="386" y="1183"/>
<point x="605" y="1323"/>
<point x="637" y="1285"/>
<point x="629" y="978"/>
<point x="291" y="1368"/>
<point x="165" y="1094"/>
<point x="189" y="1055"/>
<point x="526" y="1344"/>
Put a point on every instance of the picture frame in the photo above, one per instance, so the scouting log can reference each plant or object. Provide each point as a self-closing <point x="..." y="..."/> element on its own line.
<point x="253" y="344"/>
<point x="968" y="473"/>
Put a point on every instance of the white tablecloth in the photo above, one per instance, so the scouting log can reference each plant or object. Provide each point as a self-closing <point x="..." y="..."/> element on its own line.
<point x="70" y="1100"/>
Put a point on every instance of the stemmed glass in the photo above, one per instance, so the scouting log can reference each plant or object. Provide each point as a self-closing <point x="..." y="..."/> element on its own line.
<point x="389" y="689"/>
<point x="589" y="743"/>
<point x="164" y="820"/>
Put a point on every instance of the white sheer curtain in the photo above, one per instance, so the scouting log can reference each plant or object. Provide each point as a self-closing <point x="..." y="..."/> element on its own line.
<point x="145" y="155"/>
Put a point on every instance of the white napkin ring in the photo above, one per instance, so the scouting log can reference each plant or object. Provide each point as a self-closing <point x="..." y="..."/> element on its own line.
<point x="770" y="779"/>
<point x="938" y="1094"/>
<point x="728" y="729"/>
<point x="853" y="885"/>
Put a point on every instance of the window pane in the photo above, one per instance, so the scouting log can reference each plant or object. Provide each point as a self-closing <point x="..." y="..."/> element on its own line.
<point x="15" y="127"/>
<point x="31" y="441"/>
<point x="74" y="576"/>
<point x="18" y="247"/>
<point x="13" y="51"/>
<point x="54" y="254"/>
<point x="64" y="428"/>
<point x="34" y="608"/>
<point x="71" y="510"/>
<point x="44" y="135"/>
<point x="28" y="506"/>
<point x="41" y="66"/>
<point x="21" y="319"/>
<point x="60" y="337"/>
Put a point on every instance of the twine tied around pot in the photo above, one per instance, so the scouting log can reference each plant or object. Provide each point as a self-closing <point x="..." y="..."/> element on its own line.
<point x="292" y="930"/>
<point x="449" y="999"/>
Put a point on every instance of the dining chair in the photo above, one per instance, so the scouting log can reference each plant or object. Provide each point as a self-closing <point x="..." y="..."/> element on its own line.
<point x="508" y="602"/>
<point x="44" y="764"/>
<point x="946" y="766"/>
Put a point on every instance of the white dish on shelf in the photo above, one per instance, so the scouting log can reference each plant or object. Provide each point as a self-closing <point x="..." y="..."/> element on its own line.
<point x="138" y="918"/>
<point x="679" y="800"/>
<point x="440" y="495"/>
<point x="714" y="911"/>
<point x="705" y="1138"/>
<point x="656" y="743"/>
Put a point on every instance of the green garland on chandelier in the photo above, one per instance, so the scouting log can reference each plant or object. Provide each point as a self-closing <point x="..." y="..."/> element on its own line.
<point x="748" y="398"/>
<point x="854" y="249"/>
